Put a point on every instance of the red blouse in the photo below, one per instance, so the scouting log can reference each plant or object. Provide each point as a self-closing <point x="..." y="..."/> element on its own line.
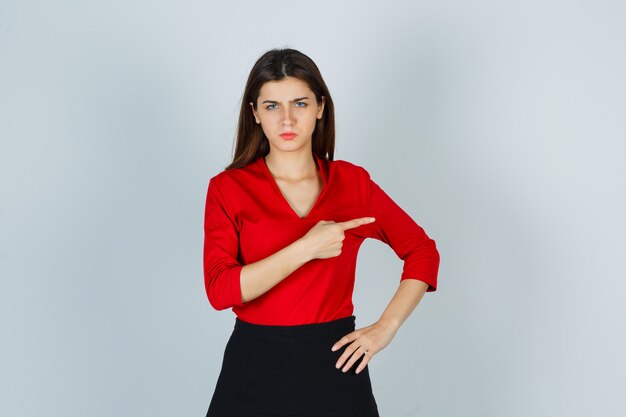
<point x="248" y="219"/>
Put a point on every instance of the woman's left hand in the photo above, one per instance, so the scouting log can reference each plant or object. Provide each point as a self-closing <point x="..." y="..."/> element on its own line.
<point x="366" y="342"/>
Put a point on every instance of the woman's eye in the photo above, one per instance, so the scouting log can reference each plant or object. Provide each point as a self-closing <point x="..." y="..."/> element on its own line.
<point x="269" y="106"/>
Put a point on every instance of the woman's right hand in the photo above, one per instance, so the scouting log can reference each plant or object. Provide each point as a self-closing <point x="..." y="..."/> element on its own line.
<point x="325" y="239"/>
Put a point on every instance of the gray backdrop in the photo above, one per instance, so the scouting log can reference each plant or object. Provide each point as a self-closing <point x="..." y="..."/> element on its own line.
<point x="498" y="125"/>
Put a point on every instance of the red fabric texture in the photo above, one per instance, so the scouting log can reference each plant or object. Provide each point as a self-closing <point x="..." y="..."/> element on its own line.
<point x="248" y="219"/>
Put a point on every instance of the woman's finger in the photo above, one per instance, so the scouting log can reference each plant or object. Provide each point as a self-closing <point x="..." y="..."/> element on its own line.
<point x="366" y="358"/>
<point x="356" y="356"/>
<point x="346" y="339"/>
<point x="346" y="354"/>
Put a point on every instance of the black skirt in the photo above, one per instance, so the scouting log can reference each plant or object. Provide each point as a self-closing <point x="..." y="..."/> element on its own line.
<point x="290" y="371"/>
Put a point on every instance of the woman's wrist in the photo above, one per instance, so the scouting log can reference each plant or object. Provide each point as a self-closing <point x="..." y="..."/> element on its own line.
<point x="300" y="250"/>
<point x="391" y="323"/>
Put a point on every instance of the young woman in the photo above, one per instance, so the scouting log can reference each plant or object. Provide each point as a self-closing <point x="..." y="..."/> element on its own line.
<point x="283" y="226"/>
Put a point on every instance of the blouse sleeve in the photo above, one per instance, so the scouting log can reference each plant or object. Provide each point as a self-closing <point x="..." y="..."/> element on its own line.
<point x="408" y="240"/>
<point x="222" y="270"/>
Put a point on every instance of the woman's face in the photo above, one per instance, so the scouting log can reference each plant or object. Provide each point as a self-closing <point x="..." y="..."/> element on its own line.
<point x="287" y="105"/>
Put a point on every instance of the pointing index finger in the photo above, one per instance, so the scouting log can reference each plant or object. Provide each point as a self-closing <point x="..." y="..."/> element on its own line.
<point x="349" y="224"/>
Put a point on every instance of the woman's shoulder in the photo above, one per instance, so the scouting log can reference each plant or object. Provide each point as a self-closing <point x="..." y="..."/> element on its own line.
<point x="240" y="175"/>
<point x="343" y="166"/>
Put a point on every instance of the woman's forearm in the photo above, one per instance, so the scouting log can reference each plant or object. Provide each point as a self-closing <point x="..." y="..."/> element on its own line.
<point x="259" y="277"/>
<point x="404" y="301"/>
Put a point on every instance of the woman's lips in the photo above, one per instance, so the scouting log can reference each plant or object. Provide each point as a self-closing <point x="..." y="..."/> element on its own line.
<point x="288" y="135"/>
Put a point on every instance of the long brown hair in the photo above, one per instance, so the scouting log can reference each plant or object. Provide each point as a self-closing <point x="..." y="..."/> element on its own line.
<point x="275" y="65"/>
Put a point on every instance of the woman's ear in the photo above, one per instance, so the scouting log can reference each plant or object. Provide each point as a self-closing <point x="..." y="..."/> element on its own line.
<point x="254" y="113"/>
<point x="320" y="112"/>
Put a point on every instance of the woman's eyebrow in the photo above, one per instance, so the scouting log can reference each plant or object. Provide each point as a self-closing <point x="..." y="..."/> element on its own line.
<point x="276" y="102"/>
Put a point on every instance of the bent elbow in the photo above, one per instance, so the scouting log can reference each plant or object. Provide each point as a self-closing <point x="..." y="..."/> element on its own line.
<point x="216" y="300"/>
<point x="223" y="287"/>
<point x="422" y="261"/>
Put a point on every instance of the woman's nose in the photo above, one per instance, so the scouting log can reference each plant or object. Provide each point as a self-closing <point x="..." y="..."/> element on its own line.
<point x="288" y="117"/>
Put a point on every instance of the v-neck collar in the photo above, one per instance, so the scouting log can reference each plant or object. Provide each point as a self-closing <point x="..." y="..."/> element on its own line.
<point x="320" y="166"/>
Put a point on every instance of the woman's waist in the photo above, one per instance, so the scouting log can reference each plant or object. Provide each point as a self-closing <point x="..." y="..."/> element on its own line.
<point x="343" y="324"/>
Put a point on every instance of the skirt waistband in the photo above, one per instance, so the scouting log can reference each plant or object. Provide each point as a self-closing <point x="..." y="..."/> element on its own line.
<point x="342" y="324"/>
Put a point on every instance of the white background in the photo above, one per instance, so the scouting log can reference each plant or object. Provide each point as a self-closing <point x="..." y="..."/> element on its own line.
<point x="499" y="126"/>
